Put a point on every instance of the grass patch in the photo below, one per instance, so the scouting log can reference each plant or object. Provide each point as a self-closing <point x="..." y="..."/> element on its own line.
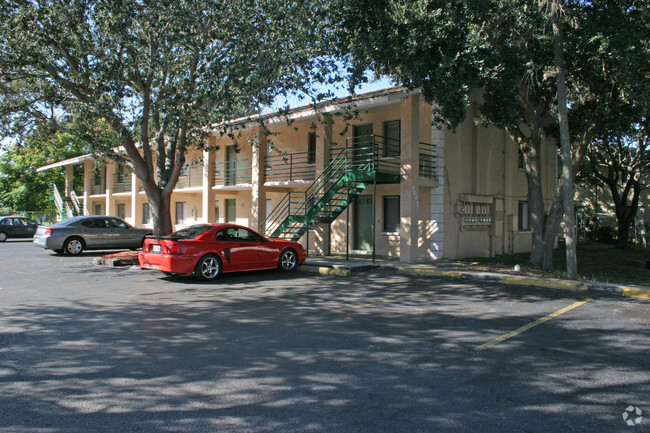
<point x="597" y="262"/>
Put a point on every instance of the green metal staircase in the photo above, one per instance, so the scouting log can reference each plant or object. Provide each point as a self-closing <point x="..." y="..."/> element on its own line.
<point x="351" y="170"/>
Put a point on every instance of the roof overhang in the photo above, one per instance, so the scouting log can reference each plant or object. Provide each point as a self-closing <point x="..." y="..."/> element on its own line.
<point x="71" y="161"/>
<point x="373" y="98"/>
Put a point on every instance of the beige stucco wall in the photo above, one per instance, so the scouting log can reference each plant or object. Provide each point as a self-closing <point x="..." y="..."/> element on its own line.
<point x="488" y="161"/>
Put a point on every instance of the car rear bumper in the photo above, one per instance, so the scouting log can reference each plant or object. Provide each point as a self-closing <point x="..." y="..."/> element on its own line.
<point x="166" y="263"/>
<point x="48" y="242"/>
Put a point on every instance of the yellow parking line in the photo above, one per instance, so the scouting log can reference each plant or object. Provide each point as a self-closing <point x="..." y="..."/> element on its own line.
<point x="518" y="331"/>
<point x="400" y="298"/>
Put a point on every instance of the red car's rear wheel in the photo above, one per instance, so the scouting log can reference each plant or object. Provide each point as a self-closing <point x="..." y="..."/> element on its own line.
<point x="208" y="268"/>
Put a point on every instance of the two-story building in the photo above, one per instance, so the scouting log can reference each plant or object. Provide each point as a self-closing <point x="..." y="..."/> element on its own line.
<point x="386" y="181"/>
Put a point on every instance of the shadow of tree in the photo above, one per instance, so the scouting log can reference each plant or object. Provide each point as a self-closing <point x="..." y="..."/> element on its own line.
<point x="297" y="356"/>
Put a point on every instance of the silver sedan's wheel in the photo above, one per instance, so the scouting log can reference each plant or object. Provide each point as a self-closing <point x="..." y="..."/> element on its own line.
<point x="288" y="260"/>
<point x="208" y="268"/>
<point x="73" y="246"/>
<point x="3" y="236"/>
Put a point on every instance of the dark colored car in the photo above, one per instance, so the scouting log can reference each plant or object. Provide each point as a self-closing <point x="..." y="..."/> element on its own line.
<point x="16" y="227"/>
<point x="74" y="235"/>
<point x="207" y="250"/>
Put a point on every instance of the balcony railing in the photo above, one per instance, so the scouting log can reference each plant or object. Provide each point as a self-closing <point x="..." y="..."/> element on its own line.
<point x="230" y="173"/>
<point x="289" y="167"/>
<point x="121" y="183"/>
<point x="428" y="165"/>
<point x="191" y="176"/>
<point x="98" y="187"/>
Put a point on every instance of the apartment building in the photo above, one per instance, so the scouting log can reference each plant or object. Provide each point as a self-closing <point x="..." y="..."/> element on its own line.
<point x="386" y="181"/>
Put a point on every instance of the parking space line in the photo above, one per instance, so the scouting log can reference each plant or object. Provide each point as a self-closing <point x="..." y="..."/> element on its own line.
<point x="391" y="300"/>
<point x="518" y="331"/>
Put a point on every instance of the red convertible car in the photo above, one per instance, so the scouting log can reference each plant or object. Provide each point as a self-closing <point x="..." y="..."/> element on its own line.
<point x="207" y="250"/>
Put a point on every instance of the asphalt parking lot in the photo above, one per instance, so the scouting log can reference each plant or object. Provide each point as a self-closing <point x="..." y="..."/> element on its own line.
<point x="89" y="348"/>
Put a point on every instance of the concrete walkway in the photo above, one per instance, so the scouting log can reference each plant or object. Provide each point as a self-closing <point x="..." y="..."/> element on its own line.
<point x="338" y="265"/>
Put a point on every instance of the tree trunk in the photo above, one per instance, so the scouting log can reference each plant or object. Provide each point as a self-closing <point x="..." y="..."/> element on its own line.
<point x="565" y="145"/>
<point x="160" y="204"/>
<point x="623" y="233"/>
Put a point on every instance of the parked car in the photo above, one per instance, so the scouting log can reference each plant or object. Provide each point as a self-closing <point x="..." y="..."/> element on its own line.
<point x="16" y="227"/>
<point x="74" y="235"/>
<point x="207" y="250"/>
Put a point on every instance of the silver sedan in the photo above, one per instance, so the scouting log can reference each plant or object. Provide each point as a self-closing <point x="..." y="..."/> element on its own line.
<point x="74" y="235"/>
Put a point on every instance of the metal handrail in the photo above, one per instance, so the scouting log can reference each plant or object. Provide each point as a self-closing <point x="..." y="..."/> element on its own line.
<point x="191" y="176"/>
<point x="76" y="202"/>
<point x="428" y="166"/>
<point x="98" y="188"/>
<point x="289" y="167"/>
<point x="235" y="172"/>
<point x="121" y="182"/>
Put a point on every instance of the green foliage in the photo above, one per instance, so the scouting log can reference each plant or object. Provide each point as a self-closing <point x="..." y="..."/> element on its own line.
<point x="21" y="188"/>
<point x="501" y="53"/>
<point x="159" y="73"/>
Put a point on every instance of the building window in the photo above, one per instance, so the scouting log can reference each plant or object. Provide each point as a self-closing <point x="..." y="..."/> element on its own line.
<point x="180" y="212"/>
<point x="391" y="214"/>
<point x="521" y="162"/>
<point x="121" y="210"/>
<point x="524" y="217"/>
<point x="146" y="213"/>
<point x="392" y="137"/>
<point x="216" y="211"/>
<point x="98" y="209"/>
<point x="311" y="148"/>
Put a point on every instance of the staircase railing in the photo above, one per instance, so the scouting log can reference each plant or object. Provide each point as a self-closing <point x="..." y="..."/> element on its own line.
<point x="58" y="200"/>
<point x="346" y="176"/>
<point x="74" y="198"/>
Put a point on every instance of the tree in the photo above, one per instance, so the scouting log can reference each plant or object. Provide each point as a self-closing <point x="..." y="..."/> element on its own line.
<point x="619" y="103"/>
<point x="505" y="49"/>
<point x="157" y="72"/>
<point x="620" y="164"/>
<point x="21" y="188"/>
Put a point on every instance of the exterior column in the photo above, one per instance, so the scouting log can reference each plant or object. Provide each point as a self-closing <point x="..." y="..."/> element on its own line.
<point x="88" y="179"/>
<point x="110" y="168"/>
<point x="410" y="179"/>
<point x="207" y="198"/>
<point x="136" y="211"/>
<point x="436" y="241"/>
<point x="322" y="232"/>
<point x="258" y="210"/>
<point x="68" y="180"/>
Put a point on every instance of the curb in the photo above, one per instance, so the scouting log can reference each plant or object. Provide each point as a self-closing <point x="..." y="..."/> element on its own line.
<point x="325" y="270"/>
<point x="576" y="286"/>
<point x="345" y="271"/>
<point x="429" y="272"/>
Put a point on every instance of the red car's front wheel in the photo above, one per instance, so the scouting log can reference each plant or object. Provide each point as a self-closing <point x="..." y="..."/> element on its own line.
<point x="288" y="260"/>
